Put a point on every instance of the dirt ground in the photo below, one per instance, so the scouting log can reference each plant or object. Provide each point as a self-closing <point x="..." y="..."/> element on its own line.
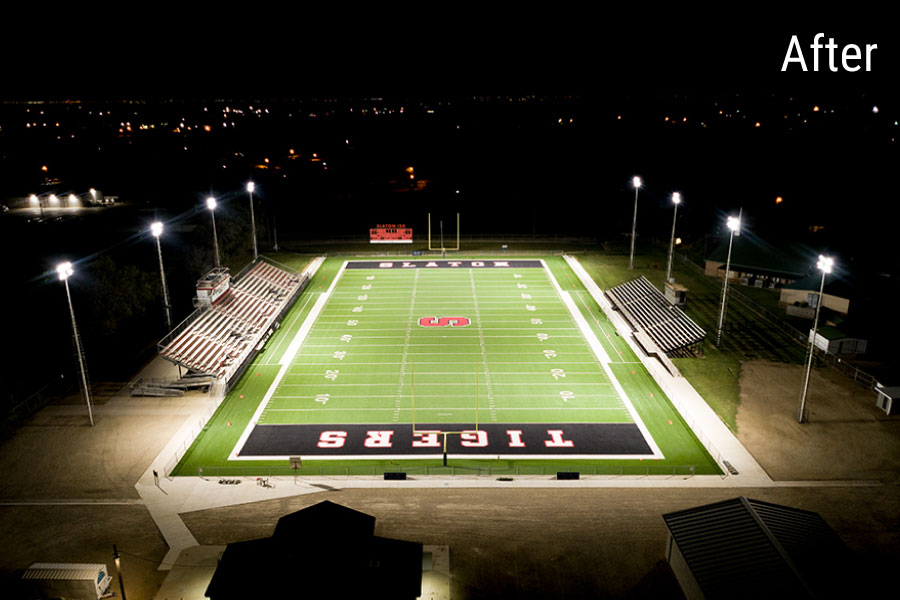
<point x="846" y="436"/>
<point x="519" y="543"/>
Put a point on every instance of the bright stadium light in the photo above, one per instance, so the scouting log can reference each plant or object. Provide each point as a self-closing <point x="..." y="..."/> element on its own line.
<point x="734" y="225"/>
<point x="636" y="182"/>
<point x="156" y="229"/>
<point x="824" y="264"/>
<point x="676" y="200"/>
<point x="250" y="189"/>
<point x="211" y="205"/>
<point x="65" y="270"/>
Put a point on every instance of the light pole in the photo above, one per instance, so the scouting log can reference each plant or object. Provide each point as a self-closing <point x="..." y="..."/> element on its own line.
<point x="676" y="200"/>
<point x="636" y="182"/>
<point x="119" y="571"/>
<point x="156" y="229"/>
<point x="734" y="224"/>
<point x="250" y="187"/>
<point x="65" y="270"/>
<point x="34" y="199"/>
<point x="825" y="265"/>
<point x="211" y="205"/>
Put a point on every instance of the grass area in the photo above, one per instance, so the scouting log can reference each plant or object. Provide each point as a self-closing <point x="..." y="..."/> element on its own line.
<point x="371" y="382"/>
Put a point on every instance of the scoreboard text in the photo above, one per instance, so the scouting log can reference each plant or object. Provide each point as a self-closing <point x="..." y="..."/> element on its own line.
<point x="391" y="234"/>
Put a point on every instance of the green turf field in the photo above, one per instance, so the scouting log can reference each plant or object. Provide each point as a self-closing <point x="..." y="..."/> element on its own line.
<point x="377" y="353"/>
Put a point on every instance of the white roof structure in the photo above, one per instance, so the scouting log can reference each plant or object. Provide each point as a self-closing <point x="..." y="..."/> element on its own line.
<point x="66" y="571"/>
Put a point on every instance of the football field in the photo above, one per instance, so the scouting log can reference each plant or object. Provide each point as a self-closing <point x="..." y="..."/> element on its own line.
<point x="487" y="352"/>
<point x="415" y="360"/>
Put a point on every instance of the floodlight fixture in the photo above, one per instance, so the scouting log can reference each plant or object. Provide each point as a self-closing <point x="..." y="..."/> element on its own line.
<point x="636" y="182"/>
<point x="33" y="199"/>
<point x="211" y="203"/>
<point x="637" y="186"/>
<point x="64" y="270"/>
<point x="825" y="264"/>
<point x="676" y="198"/>
<point x="251" y="187"/>
<point x="156" y="229"/>
<point x="734" y="224"/>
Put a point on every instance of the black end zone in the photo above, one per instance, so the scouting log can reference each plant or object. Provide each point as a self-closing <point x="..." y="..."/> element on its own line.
<point x="494" y="439"/>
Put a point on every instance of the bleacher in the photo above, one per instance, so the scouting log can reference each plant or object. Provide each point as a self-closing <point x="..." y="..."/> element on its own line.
<point x="649" y="313"/>
<point x="217" y="338"/>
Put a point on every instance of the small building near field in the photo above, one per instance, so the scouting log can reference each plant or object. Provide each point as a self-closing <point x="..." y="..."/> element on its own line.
<point x="803" y="294"/>
<point x="76" y="581"/>
<point x="757" y="263"/>
<point x="888" y="399"/>
<point x="323" y="551"/>
<point x="834" y="341"/>
<point x="743" y="548"/>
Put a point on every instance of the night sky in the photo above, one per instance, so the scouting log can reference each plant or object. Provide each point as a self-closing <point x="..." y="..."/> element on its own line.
<point x="517" y="173"/>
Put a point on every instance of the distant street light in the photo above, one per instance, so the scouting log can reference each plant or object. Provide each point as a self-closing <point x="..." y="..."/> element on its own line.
<point x="636" y="182"/>
<point x="211" y="205"/>
<point x="65" y="270"/>
<point x="676" y="200"/>
<point x="156" y="229"/>
<point x="734" y="224"/>
<point x="250" y="188"/>
<point x="825" y="265"/>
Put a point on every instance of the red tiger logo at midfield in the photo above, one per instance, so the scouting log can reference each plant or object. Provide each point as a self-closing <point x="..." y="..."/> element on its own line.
<point x="444" y="321"/>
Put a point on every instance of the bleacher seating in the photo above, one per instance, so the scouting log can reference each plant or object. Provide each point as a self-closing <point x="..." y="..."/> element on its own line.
<point x="647" y="310"/>
<point x="220" y="336"/>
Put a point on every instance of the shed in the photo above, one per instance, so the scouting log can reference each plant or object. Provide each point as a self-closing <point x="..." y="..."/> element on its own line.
<point x="74" y="581"/>
<point x="886" y="396"/>
<point x="805" y="293"/>
<point x="834" y="341"/>
<point x="758" y="263"/>
<point x="743" y="548"/>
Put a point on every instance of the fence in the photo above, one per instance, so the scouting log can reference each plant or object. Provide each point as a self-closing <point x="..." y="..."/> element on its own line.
<point x="859" y="376"/>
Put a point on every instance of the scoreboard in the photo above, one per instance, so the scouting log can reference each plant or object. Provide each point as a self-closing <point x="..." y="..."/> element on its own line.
<point x="390" y="234"/>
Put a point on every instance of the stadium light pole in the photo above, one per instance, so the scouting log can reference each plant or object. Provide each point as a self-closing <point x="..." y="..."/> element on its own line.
<point x="734" y="224"/>
<point x="156" y="229"/>
<point x="636" y="182"/>
<point x="65" y="270"/>
<point x="676" y="200"/>
<point x="825" y="264"/>
<point x="250" y="188"/>
<point x="211" y="205"/>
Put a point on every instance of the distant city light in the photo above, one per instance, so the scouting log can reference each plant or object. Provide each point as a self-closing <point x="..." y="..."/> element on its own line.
<point x="779" y="200"/>
<point x="677" y="241"/>
<point x="815" y="109"/>
<point x="875" y="109"/>
<point x="156" y="229"/>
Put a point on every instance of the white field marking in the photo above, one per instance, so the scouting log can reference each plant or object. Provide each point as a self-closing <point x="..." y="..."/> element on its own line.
<point x="602" y="330"/>
<point x="409" y="328"/>
<point x="441" y="384"/>
<point x="459" y="408"/>
<point x="601" y="354"/>
<point x="440" y="396"/>
<point x="286" y="360"/>
<point x="423" y="373"/>
<point x="459" y="456"/>
<point x="293" y="320"/>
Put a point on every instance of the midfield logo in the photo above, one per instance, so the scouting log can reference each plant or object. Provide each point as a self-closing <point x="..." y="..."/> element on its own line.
<point x="444" y="321"/>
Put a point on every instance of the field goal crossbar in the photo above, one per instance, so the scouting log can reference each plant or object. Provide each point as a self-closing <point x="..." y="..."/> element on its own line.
<point x="442" y="247"/>
<point x="441" y="432"/>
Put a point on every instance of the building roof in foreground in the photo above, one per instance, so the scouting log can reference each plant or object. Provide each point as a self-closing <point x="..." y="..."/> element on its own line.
<point x="743" y="548"/>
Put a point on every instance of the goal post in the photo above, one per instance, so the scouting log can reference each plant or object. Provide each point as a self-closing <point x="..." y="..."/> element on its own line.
<point x="442" y="247"/>
<point x="440" y="432"/>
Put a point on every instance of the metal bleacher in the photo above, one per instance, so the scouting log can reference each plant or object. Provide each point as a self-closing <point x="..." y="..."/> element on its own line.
<point x="217" y="338"/>
<point x="648" y="312"/>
